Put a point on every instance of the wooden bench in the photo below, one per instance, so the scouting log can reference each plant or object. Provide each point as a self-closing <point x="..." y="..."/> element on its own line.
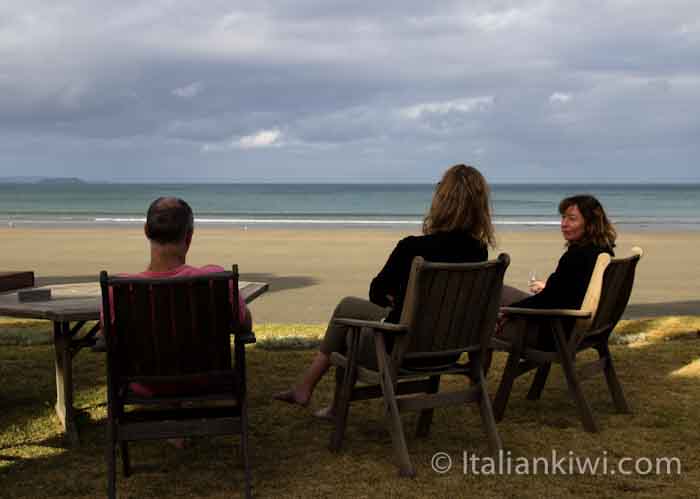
<point x="16" y="280"/>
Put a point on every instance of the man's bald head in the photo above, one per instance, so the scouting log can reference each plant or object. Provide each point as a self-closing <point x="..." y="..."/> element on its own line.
<point x="169" y="220"/>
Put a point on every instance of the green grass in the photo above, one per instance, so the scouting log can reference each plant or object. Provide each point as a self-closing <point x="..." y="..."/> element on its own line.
<point x="25" y="332"/>
<point x="657" y="329"/>
<point x="289" y="336"/>
<point x="658" y="364"/>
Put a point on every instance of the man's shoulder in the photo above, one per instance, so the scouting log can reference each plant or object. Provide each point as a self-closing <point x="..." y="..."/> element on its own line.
<point x="187" y="270"/>
<point x="181" y="271"/>
<point x="211" y="268"/>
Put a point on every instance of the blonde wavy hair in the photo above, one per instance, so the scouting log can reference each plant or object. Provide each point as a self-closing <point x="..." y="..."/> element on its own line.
<point x="461" y="202"/>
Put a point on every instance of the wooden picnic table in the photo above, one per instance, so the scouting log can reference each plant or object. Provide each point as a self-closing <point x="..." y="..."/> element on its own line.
<point x="70" y="308"/>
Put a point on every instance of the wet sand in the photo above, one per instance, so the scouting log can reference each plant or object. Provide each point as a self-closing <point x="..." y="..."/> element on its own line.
<point x="309" y="270"/>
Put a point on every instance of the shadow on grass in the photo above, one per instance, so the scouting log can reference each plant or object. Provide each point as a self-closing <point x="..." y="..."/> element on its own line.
<point x="289" y="448"/>
<point x="640" y="310"/>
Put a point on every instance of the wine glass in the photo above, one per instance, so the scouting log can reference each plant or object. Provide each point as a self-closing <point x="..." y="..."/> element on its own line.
<point x="532" y="278"/>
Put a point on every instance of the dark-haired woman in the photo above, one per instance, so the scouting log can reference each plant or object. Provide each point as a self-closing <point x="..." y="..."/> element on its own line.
<point x="588" y="233"/>
<point x="457" y="229"/>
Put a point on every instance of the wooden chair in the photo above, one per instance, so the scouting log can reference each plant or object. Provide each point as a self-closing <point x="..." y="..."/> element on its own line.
<point x="449" y="309"/>
<point x="605" y="301"/>
<point x="173" y="337"/>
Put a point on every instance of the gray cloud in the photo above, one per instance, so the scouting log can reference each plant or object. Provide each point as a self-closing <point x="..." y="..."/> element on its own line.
<point x="323" y="90"/>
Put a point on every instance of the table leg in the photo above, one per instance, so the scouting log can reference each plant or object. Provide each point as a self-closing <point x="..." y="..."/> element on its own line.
<point x="64" y="381"/>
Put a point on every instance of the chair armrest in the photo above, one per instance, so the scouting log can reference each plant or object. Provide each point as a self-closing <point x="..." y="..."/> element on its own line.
<point x="244" y="338"/>
<point x="382" y="326"/>
<point x="553" y="313"/>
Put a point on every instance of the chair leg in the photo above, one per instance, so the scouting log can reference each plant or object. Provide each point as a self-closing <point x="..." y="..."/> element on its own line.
<point x="342" y="403"/>
<point x="426" y="415"/>
<point x="111" y="463"/>
<point x="341" y="416"/>
<point x="126" y="462"/>
<point x="526" y="329"/>
<point x="538" y="383"/>
<point x="614" y="385"/>
<point x="406" y="468"/>
<point x="387" y="383"/>
<point x="339" y="379"/>
<point x="568" y="365"/>
<point x="244" y="450"/>
<point x="241" y="391"/>
<point x="343" y="392"/>
<point x="504" y="388"/>
<point x="487" y="418"/>
<point x="488" y="358"/>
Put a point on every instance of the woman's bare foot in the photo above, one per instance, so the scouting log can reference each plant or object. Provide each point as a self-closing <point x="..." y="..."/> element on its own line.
<point x="292" y="396"/>
<point x="325" y="413"/>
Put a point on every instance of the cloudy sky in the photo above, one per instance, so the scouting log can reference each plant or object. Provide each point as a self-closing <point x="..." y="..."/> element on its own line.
<point x="322" y="90"/>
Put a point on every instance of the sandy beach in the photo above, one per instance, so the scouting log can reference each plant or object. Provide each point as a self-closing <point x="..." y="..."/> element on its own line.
<point x="309" y="270"/>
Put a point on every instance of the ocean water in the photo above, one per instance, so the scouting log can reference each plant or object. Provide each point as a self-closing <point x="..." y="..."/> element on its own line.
<point x="515" y="205"/>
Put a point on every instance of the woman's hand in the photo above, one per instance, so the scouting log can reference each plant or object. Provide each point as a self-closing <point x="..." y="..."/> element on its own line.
<point x="391" y="300"/>
<point x="536" y="286"/>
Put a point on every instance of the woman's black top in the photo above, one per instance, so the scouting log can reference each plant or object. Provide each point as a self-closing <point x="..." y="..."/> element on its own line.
<point x="567" y="286"/>
<point x="447" y="247"/>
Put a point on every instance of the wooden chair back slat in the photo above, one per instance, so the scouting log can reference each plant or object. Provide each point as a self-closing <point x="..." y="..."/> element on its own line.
<point x="161" y="333"/>
<point x="223" y="319"/>
<point x="434" y="292"/>
<point x="132" y="314"/>
<point x="484" y="287"/>
<point x="593" y="292"/>
<point x="451" y="306"/>
<point x="617" y="288"/>
<point x="201" y="293"/>
<point x="459" y="287"/>
<point x="185" y="326"/>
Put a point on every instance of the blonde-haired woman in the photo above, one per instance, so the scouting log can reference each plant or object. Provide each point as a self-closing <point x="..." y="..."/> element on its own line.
<point x="457" y="229"/>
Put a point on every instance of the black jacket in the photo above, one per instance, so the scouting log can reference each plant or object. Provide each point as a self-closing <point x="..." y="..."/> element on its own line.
<point x="567" y="286"/>
<point x="448" y="247"/>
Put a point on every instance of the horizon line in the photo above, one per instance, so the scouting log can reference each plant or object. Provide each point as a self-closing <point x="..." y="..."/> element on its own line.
<point x="46" y="180"/>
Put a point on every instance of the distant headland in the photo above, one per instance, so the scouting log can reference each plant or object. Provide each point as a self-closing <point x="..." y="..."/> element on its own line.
<point x="42" y="180"/>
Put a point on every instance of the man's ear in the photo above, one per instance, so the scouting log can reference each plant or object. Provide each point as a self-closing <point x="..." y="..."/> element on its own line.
<point x="188" y="239"/>
<point x="145" y="230"/>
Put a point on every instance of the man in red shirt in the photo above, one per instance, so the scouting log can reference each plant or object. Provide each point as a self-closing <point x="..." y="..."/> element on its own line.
<point x="169" y="228"/>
